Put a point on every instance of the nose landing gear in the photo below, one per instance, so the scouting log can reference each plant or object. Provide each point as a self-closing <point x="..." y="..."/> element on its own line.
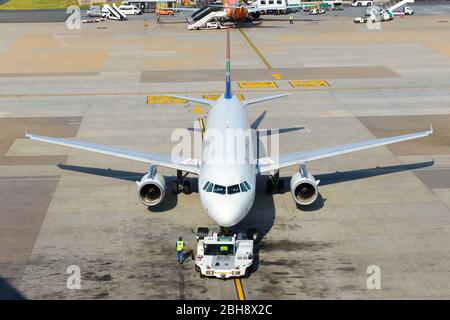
<point x="181" y="184"/>
<point x="274" y="184"/>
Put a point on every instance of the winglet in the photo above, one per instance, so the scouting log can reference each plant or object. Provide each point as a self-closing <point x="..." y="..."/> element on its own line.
<point x="228" y="94"/>
<point x="431" y="129"/>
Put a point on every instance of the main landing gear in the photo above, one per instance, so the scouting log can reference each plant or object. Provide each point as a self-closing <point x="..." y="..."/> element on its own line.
<point x="181" y="184"/>
<point x="274" y="184"/>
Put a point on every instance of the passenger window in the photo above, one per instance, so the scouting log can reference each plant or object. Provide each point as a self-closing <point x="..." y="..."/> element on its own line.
<point x="206" y="185"/>
<point x="219" y="189"/>
<point x="233" y="189"/>
<point x="210" y="187"/>
<point x="279" y="1"/>
<point x="243" y="187"/>
<point x="270" y="1"/>
<point x="263" y="2"/>
<point x="247" y="185"/>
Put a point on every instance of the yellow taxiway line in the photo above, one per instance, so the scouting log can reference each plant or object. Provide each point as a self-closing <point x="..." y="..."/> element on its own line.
<point x="256" y="50"/>
<point x="239" y="289"/>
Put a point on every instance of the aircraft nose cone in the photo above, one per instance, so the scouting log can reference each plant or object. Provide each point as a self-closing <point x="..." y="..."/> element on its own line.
<point x="228" y="215"/>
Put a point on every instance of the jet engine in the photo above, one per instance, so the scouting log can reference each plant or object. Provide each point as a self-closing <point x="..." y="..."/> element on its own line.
<point x="151" y="188"/>
<point x="304" y="187"/>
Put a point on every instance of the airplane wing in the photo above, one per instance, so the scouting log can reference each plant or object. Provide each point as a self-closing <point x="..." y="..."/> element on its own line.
<point x="187" y="165"/>
<point x="296" y="158"/>
<point x="198" y="100"/>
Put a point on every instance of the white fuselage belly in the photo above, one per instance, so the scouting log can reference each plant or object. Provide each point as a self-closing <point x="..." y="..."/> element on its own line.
<point x="227" y="169"/>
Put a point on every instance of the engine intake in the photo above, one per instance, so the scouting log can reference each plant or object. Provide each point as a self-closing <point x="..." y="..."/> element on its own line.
<point x="304" y="187"/>
<point x="151" y="189"/>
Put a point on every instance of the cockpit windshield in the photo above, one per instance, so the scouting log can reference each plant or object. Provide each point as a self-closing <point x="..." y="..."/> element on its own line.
<point x="219" y="189"/>
<point x="235" y="188"/>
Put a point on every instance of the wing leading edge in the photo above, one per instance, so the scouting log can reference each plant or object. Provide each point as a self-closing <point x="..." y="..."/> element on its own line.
<point x="187" y="165"/>
<point x="296" y="158"/>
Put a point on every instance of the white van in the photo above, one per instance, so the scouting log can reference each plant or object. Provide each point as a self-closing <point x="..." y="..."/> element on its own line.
<point x="129" y="9"/>
<point x="360" y="3"/>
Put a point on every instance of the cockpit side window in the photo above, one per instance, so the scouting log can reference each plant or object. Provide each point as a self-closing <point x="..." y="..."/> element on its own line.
<point x="210" y="187"/>
<point x="243" y="187"/>
<point x="247" y="185"/>
<point x="233" y="189"/>
<point x="219" y="189"/>
<point x="206" y="185"/>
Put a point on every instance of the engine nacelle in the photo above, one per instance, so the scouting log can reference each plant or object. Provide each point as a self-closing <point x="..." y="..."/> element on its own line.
<point x="151" y="189"/>
<point x="304" y="187"/>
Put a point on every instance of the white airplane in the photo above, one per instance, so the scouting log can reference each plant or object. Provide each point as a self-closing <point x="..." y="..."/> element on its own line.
<point x="227" y="190"/>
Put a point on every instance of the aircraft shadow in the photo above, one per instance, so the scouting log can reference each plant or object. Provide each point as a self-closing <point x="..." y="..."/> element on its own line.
<point x="261" y="217"/>
<point x="8" y="292"/>
<point x="344" y="176"/>
<point x="262" y="214"/>
<point x="170" y="201"/>
<point x="338" y="176"/>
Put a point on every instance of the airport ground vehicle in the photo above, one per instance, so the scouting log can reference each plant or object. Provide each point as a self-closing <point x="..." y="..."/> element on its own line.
<point x="164" y="12"/>
<point x="214" y="25"/>
<point x="360" y="3"/>
<point x="223" y="254"/>
<point x="360" y="20"/>
<point x="317" y="11"/>
<point x="96" y="11"/>
<point x="332" y="3"/>
<point x="408" y="11"/>
<point x="130" y="9"/>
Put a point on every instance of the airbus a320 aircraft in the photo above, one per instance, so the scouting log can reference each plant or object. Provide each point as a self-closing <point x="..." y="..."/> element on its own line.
<point x="227" y="190"/>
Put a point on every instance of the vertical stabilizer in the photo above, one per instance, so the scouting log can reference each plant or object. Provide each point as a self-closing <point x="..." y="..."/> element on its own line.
<point x="228" y="94"/>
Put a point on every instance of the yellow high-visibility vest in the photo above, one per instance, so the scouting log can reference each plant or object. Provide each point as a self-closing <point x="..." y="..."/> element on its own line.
<point x="180" y="245"/>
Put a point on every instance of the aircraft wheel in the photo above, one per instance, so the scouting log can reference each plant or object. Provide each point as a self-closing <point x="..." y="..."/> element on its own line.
<point x="175" y="187"/>
<point x="187" y="187"/>
<point x="280" y="186"/>
<point x="197" y="268"/>
<point x="202" y="275"/>
<point x="269" y="186"/>
<point x="202" y="232"/>
<point x="252" y="233"/>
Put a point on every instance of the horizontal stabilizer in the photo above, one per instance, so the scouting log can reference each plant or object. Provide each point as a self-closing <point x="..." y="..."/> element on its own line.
<point x="269" y="132"/>
<point x="261" y="99"/>
<point x="198" y="100"/>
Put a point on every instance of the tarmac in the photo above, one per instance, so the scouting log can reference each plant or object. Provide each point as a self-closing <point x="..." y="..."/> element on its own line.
<point x="388" y="207"/>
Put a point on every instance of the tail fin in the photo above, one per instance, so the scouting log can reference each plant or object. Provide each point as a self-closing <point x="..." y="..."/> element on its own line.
<point x="228" y="94"/>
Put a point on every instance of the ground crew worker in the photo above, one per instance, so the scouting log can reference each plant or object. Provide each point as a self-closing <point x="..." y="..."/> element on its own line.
<point x="291" y="19"/>
<point x="180" y="250"/>
<point x="157" y="17"/>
